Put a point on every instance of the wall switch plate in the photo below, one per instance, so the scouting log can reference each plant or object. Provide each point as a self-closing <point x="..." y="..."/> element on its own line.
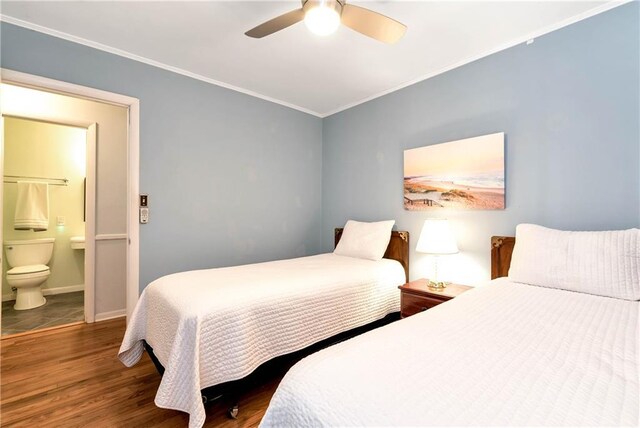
<point x="144" y="200"/>
<point x="144" y="215"/>
<point x="60" y="220"/>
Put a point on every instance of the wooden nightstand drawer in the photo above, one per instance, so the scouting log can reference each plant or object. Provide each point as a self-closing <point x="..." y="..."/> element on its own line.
<point x="416" y="296"/>
<point x="412" y="304"/>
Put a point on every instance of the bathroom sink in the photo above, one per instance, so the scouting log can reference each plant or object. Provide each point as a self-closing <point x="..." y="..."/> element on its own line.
<point x="77" y="242"/>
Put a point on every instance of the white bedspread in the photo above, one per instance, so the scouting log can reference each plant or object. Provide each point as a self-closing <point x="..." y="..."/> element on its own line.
<point x="504" y="354"/>
<point x="212" y="326"/>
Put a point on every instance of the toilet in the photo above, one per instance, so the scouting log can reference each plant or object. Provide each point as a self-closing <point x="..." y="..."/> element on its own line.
<point x="28" y="261"/>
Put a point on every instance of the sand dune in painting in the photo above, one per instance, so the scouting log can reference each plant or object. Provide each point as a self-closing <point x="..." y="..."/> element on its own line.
<point x="419" y="194"/>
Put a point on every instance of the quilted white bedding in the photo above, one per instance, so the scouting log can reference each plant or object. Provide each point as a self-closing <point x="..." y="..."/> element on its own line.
<point x="212" y="326"/>
<point x="504" y="354"/>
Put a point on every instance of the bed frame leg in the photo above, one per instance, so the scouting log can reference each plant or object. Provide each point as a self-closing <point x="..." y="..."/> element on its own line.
<point x="232" y="412"/>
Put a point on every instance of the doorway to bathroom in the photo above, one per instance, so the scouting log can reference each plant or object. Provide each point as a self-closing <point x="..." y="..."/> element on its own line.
<point x="44" y="209"/>
<point x="111" y="238"/>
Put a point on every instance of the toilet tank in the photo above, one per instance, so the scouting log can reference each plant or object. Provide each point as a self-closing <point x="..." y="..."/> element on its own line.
<point x="29" y="251"/>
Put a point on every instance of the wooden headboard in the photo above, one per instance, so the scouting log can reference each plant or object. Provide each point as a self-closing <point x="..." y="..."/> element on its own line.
<point x="398" y="248"/>
<point x="501" y="249"/>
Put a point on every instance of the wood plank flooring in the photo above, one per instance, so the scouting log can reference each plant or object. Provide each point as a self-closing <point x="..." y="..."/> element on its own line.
<point x="71" y="377"/>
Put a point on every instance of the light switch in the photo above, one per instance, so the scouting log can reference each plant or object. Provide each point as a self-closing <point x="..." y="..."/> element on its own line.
<point x="60" y="220"/>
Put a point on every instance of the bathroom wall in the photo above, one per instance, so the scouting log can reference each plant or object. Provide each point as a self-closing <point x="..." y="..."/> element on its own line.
<point x="111" y="170"/>
<point x="42" y="149"/>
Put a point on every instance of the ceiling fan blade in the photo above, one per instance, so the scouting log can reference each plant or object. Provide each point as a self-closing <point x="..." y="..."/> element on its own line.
<point x="372" y="24"/>
<point x="276" y="24"/>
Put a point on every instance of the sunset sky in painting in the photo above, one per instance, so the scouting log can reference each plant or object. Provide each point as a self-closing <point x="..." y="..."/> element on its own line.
<point x="458" y="158"/>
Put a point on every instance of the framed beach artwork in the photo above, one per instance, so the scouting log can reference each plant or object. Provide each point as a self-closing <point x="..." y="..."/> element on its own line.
<point x="463" y="174"/>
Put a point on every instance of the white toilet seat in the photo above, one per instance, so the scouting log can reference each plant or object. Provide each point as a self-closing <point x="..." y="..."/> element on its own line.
<point x="28" y="272"/>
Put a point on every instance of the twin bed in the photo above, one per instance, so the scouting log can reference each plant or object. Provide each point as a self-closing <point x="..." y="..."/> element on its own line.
<point x="555" y="343"/>
<point x="503" y="354"/>
<point x="563" y="352"/>
<point x="210" y="327"/>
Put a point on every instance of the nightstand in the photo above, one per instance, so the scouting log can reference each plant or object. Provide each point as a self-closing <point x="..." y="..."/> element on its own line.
<point x="416" y="296"/>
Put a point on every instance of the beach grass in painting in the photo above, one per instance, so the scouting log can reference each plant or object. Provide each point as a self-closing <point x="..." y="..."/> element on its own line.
<point x="463" y="174"/>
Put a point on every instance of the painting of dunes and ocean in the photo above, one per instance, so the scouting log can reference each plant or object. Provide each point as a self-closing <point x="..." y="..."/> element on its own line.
<point x="463" y="174"/>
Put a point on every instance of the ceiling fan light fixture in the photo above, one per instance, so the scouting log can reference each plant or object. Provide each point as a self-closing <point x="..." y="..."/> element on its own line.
<point x="322" y="18"/>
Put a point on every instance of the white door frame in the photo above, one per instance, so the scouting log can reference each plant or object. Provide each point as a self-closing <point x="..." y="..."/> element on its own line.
<point x="133" y="162"/>
<point x="1" y="207"/>
<point x="90" y="225"/>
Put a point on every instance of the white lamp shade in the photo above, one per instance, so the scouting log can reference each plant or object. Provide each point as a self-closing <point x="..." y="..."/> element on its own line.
<point x="436" y="238"/>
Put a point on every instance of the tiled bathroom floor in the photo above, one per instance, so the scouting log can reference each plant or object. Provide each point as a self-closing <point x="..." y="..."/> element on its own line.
<point x="60" y="309"/>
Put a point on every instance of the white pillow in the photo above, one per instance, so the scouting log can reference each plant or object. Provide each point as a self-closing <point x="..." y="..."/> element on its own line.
<point x="365" y="240"/>
<point x="603" y="263"/>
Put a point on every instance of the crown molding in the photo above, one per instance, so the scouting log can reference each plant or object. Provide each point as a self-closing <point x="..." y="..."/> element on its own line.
<point x="148" y="61"/>
<point x="105" y="48"/>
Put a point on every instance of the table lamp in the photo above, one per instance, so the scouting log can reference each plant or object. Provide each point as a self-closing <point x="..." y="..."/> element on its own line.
<point x="436" y="239"/>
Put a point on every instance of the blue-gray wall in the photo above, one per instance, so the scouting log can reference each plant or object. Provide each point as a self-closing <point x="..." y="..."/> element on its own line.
<point x="234" y="179"/>
<point x="568" y="104"/>
<point x="231" y="178"/>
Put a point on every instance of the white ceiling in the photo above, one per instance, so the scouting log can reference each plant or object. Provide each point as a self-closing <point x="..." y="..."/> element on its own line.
<point x="294" y="67"/>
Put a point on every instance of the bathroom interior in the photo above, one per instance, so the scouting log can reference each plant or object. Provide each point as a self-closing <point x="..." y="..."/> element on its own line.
<point x="43" y="225"/>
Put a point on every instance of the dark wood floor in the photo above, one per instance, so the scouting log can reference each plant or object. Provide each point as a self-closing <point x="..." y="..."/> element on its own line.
<point x="71" y="377"/>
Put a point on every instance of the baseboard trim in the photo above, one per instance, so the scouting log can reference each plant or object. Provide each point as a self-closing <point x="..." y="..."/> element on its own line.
<point x="62" y="290"/>
<point x="48" y="291"/>
<point x="110" y="315"/>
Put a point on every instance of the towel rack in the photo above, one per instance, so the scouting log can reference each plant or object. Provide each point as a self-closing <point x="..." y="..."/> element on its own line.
<point x="49" y="180"/>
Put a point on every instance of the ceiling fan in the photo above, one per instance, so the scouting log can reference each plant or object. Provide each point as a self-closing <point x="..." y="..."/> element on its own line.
<point x="323" y="17"/>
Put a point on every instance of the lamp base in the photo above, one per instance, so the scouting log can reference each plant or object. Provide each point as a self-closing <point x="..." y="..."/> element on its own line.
<point x="437" y="285"/>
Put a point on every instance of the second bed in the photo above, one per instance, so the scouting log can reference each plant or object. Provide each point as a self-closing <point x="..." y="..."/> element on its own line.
<point x="563" y="352"/>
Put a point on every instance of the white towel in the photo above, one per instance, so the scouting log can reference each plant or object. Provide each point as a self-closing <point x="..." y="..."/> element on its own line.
<point x="32" y="206"/>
